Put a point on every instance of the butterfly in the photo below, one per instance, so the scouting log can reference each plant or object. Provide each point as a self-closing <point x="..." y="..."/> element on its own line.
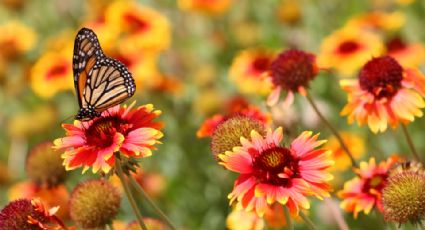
<point x="100" y="81"/>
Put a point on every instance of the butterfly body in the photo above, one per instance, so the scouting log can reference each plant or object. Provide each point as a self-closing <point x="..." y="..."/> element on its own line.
<point x="100" y="81"/>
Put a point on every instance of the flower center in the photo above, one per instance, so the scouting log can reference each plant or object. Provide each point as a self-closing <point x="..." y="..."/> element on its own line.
<point x="395" y="44"/>
<point x="136" y="23"/>
<point x="59" y="70"/>
<point x="293" y="69"/>
<point x="377" y="182"/>
<point x="348" y="47"/>
<point x="381" y="76"/>
<point x="275" y="166"/>
<point x="102" y="131"/>
<point x="260" y="65"/>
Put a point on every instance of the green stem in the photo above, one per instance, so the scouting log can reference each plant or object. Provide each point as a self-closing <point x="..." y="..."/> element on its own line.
<point x="421" y="226"/>
<point x="288" y="218"/>
<point x="307" y="221"/>
<point x="332" y="129"/>
<point x="130" y="197"/>
<point x="141" y="191"/>
<point x="410" y="143"/>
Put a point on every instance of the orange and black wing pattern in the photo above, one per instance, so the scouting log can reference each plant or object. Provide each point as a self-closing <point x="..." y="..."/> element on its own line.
<point x="100" y="82"/>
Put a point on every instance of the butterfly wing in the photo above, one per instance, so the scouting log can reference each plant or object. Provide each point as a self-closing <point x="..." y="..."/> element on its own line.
<point x="100" y="82"/>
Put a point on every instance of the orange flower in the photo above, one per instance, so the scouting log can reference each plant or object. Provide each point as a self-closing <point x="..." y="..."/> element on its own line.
<point x="378" y="20"/>
<point x="133" y="132"/>
<point x="52" y="73"/>
<point x="411" y="55"/>
<point x="205" y="6"/>
<point x="354" y="143"/>
<point x="249" y="69"/>
<point x="364" y="191"/>
<point x="271" y="173"/>
<point x="16" y="39"/>
<point x="385" y="93"/>
<point x="236" y="106"/>
<point x="348" y="49"/>
<point x="242" y="220"/>
<point x="144" y="29"/>
<point x="51" y="197"/>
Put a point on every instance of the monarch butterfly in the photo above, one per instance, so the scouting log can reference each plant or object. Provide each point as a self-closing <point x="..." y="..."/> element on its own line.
<point x="100" y="81"/>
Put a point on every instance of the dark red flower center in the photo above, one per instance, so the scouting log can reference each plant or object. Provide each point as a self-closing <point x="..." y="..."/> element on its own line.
<point x="102" y="131"/>
<point x="377" y="182"/>
<point x="271" y="165"/>
<point x="395" y="44"/>
<point x="293" y="69"/>
<point x="260" y="64"/>
<point x="136" y="23"/>
<point x="381" y="76"/>
<point x="348" y="47"/>
<point x="58" y="70"/>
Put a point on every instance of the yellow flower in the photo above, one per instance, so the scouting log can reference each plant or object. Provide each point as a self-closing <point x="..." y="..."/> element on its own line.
<point x="209" y="7"/>
<point x="144" y="29"/>
<point x="249" y="71"/>
<point x="348" y="49"/>
<point x="378" y="20"/>
<point x="289" y="11"/>
<point x="242" y="220"/>
<point x="52" y="73"/>
<point x="354" y="143"/>
<point x="16" y="39"/>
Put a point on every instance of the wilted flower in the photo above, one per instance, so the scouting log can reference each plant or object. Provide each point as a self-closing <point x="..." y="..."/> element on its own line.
<point x="403" y="197"/>
<point x="133" y="132"/>
<point x="228" y="133"/>
<point x="249" y="71"/>
<point x="385" y="93"/>
<point x="270" y="172"/>
<point x="44" y="165"/>
<point x="94" y="203"/>
<point x="348" y="49"/>
<point x="364" y="192"/>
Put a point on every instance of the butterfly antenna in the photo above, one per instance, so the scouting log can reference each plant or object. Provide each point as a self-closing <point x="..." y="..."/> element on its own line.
<point x="67" y="118"/>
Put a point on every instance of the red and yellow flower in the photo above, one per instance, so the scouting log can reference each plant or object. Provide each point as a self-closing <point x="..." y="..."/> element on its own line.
<point x="16" y="39"/>
<point x="292" y="71"/>
<point x="378" y="20"/>
<point x="133" y="132"/>
<point x="52" y="73"/>
<point x="271" y="173"/>
<point x="205" y="6"/>
<point x="143" y="28"/>
<point x="241" y="220"/>
<point x="249" y="71"/>
<point x="364" y="192"/>
<point x="354" y="143"/>
<point x="406" y="54"/>
<point x="236" y="106"/>
<point x="346" y="50"/>
<point x="385" y="93"/>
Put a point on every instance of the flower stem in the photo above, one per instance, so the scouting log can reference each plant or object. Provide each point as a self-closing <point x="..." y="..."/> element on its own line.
<point x="336" y="213"/>
<point x="288" y="218"/>
<point x="308" y="222"/>
<point x="128" y="192"/>
<point x="421" y="225"/>
<point x="333" y="129"/>
<point x="410" y="143"/>
<point x="141" y="191"/>
<point x="109" y="227"/>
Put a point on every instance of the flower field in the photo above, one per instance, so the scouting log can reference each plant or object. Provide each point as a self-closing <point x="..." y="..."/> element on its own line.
<point x="212" y="114"/>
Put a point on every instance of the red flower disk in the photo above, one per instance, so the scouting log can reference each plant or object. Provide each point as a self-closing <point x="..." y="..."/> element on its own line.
<point x="93" y="143"/>
<point x="271" y="173"/>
